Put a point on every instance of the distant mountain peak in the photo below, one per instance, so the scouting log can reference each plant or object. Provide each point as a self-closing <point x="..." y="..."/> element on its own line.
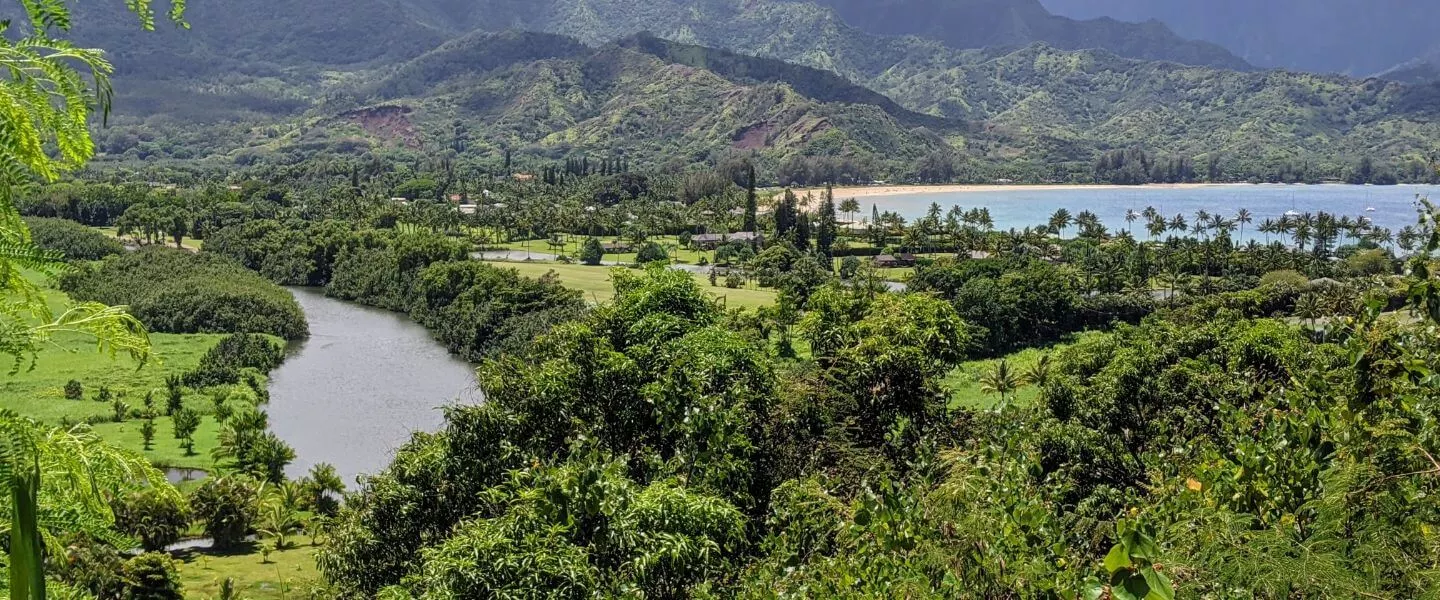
<point x="985" y="23"/>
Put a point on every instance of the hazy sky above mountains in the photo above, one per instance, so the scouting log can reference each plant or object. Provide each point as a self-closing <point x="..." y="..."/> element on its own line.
<point x="1359" y="37"/>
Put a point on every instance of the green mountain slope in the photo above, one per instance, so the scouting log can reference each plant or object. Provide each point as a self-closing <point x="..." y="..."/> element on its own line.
<point x="549" y="95"/>
<point x="249" y="34"/>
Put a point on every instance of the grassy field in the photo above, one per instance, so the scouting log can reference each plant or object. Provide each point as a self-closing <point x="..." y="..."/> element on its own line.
<point x="39" y="393"/>
<point x="189" y="243"/>
<point x="287" y="574"/>
<point x="964" y="382"/>
<point x="594" y="282"/>
<point x="572" y="249"/>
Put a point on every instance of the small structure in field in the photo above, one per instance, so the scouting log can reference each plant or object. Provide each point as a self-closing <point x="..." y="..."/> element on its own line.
<point x="616" y="247"/>
<point x="895" y="261"/>
<point x="711" y="241"/>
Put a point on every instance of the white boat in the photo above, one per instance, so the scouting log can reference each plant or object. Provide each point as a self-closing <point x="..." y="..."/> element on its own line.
<point x="1369" y="209"/>
<point x="1291" y="213"/>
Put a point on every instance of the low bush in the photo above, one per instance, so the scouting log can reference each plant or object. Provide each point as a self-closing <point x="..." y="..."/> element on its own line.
<point x="156" y="519"/>
<point x="75" y="241"/>
<point x="174" y="291"/>
<point x="223" y="363"/>
<point x="226" y="507"/>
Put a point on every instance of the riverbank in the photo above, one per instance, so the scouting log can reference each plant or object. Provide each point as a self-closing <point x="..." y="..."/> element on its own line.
<point x="905" y="190"/>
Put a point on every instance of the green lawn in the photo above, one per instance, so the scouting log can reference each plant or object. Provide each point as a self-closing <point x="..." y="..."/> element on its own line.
<point x="287" y="574"/>
<point x="595" y="283"/>
<point x="40" y="392"/>
<point x="189" y="243"/>
<point x="571" y="248"/>
<point x="964" y="382"/>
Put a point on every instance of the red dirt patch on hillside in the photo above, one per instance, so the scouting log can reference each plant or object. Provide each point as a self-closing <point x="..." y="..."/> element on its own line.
<point x="753" y="137"/>
<point x="390" y="123"/>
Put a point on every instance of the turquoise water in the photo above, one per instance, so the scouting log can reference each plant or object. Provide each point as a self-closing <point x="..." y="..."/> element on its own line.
<point x="1394" y="205"/>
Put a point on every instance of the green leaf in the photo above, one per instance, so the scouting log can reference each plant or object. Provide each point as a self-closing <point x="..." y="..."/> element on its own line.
<point x="1143" y="546"/>
<point x="1159" y="584"/>
<point x="1130" y="586"/>
<point x="1117" y="559"/>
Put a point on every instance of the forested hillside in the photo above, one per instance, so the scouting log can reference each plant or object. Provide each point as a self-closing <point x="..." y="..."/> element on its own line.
<point x="552" y="95"/>
<point x="1035" y="113"/>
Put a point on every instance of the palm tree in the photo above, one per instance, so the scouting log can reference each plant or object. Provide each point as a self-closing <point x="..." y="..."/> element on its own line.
<point x="1156" y="227"/>
<point x="1308" y="307"/>
<point x="1130" y="217"/>
<point x="1202" y="221"/>
<point x="1060" y="221"/>
<point x="850" y="206"/>
<point x="1178" y="223"/>
<point x="1267" y="227"/>
<point x="1243" y="218"/>
<point x="1407" y="238"/>
<point x="1038" y="374"/>
<point x="1001" y="380"/>
<point x="280" y="513"/>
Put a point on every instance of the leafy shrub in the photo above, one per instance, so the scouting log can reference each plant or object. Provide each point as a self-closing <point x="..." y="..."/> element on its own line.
<point x="651" y="252"/>
<point x="1370" y="262"/>
<point x="223" y="363"/>
<point x="1285" y="278"/>
<point x="287" y="252"/>
<point x="73" y="240"/>
<point x="226" y="506"/>
<point x="74" y="390"/>
<point x="379" y="269"/>
<point x="156" y="519"/>
<point x="477" y="309"/>
<point x="591" y="252"/>
<point x="174" y="291"/>
<point x="93" y="566"/>
<point x="152" y="576"/>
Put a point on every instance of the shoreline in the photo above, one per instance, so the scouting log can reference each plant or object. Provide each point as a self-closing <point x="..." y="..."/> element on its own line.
<point x="910" y="190"/>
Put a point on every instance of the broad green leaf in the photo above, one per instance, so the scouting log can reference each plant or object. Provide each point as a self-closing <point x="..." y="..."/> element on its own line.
<point x="1117" y="559"/>
<point x="1160" y="588"/>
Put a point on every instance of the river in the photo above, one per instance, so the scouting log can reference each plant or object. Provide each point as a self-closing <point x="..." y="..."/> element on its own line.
<point x="360" y="385"/>
<point x="1020" y="208"/>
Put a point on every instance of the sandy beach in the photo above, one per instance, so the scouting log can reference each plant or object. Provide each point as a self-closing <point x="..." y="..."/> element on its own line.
<point x="902" y="190"/>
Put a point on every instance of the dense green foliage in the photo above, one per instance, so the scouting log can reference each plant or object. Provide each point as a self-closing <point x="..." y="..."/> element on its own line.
<point x="1202" y="447"/>
<point x="181" y="292"/>
<point x="475" y="309"/>
<point x="72" y="240"/>
<point x="225" y="507"/>
<point x="234" y="357"/>
<point x="638" y="397"/>
<point x="157" y="520"/>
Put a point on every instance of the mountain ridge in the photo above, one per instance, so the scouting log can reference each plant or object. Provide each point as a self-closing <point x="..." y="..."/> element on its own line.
<point x="1353" y="37"/>
<point x="637" y="96"/>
